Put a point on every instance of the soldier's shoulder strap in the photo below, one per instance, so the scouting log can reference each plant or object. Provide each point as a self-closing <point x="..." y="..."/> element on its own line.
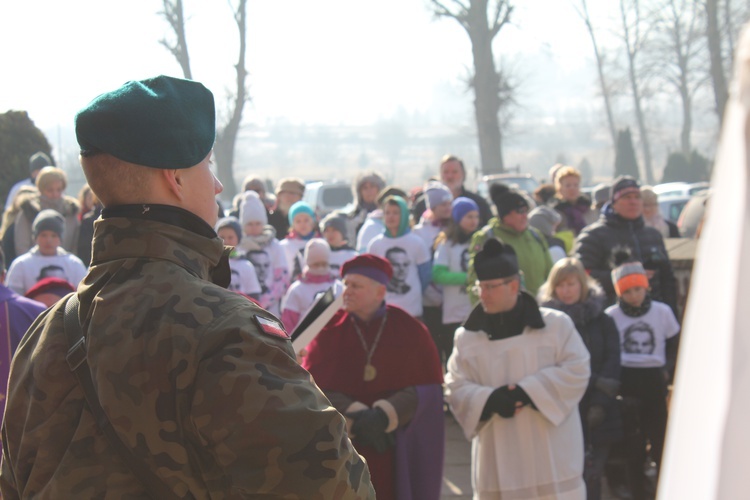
<point x="76" y="359"/>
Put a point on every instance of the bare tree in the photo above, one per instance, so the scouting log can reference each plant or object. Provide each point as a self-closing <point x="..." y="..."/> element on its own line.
<point x="583" y="12"/>
<point x="634" y="38"/>
<point x="173" y="13"/>
<point x="718" y="77"/>
<point x="226" y="136"/>
<point x="680" y="51"/>
<point x="491" y="90"/>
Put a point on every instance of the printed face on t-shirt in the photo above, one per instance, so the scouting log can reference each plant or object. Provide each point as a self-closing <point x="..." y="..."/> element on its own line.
<point x="639" y="339"/>
<point x="400" y="263"/>
<point x="262" y="263"/>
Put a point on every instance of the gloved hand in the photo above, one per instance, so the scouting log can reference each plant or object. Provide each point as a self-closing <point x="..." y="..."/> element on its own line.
<point x="369" y="428"/>
<point x="500" y="402"/>
<point x="595" y="416"/>
<point x="519" y="396"/>
<point x="608" y="386"/>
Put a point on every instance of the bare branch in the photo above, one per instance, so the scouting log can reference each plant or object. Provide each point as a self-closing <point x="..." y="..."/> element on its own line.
<point x="497" y="24"/>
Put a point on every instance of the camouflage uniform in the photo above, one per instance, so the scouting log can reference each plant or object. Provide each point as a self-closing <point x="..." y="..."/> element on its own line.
<point x="215" y="406"/>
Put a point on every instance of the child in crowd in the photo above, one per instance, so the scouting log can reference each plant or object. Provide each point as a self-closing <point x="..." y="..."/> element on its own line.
<point x="408" y="255"/>
<point x="263" y="250"/>
<point x="334" y="228"/>
<point x="244" y="279"/>
<point x="649" y="334"/>
<point x="302" y="228"/>
<point x="316" y="278"/>
<point x="373" y="225"/>
<point x="546" y="220"/>
<point x="450" y="267"/>
<point x="47" y="258"/>
<point x="570" y="290"/>
<point x="438" y="200"/>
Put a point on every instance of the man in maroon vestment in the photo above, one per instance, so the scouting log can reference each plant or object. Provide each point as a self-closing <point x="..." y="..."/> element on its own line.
<point x="380" y="369"/>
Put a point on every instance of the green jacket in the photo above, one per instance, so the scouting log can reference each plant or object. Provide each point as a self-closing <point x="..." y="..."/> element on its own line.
<point x="214" y="405"/>
<point x="531" y="249"/>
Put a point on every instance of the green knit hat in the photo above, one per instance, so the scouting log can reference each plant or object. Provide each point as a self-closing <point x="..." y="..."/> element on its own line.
<point x="160" y="122"/>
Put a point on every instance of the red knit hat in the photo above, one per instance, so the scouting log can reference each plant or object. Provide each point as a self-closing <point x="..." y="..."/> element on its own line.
<point x="57" y="286"/>
<point x="369" y="265"/>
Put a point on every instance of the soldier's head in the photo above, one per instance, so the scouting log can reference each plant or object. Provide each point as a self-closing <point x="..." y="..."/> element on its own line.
<point x="498" y="280"/>
<point x="365" y="278"/>
<point x="150" y="142"/>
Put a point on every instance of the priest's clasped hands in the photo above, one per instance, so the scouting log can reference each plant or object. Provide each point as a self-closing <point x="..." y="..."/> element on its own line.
<point x="506" y="401"/>
<point x="369" y="429"/>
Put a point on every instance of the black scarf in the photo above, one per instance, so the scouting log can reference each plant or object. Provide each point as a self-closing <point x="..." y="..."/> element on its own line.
<point x="635" y="312"/>
<point x="507" y="324"/>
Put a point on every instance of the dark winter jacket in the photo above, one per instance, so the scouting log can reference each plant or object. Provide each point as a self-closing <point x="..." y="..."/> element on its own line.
<point x="575" y="216"/>
<point x="600" y="335"/>
<point x="595" y="245"/>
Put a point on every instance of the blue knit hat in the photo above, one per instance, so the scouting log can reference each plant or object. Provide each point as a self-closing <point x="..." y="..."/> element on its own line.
<point x="300" y="207"/>
<point x="462" y="206"/>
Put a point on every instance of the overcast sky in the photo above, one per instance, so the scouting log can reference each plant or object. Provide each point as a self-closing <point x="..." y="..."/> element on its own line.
<point x="328" y="61"/>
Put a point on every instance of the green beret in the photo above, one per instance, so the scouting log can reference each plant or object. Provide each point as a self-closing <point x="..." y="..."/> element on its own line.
<point x="161" y="122"/>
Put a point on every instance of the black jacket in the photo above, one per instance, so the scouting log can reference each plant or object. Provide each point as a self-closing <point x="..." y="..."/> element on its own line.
<point x="600" y="335"/>
<point x="595" y="245"/>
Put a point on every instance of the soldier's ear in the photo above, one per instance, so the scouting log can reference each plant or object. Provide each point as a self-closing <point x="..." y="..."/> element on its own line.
<point x="173" y="182"/>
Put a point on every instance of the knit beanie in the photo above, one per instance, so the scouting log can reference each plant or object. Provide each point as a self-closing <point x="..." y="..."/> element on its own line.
<point x="629" y="275"/>
<point x="232" y="223"/>
<point x="317" y="250"/>
<point x="301" y="207"/>
<point x="545" y="219"/>
<point x="506" y="200"/>
<point x="436" y="193"/>
<point x="252" y="209"/>
<point x="462" y="206"/>
<point x="291" y="185"/>
<point x="623" y="185"/>
<point x="601" y="193"/>
<point x="38" y="161"/>
<point x="495" y="260"/>
<point x="48" y="220"/>
<point x="370" y="176"/>
<point x="336" y="221"/>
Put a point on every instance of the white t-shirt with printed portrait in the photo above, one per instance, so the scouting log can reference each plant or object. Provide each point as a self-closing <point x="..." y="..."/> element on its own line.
<point x="643" y="339"/>
<point x="456" y="303"/>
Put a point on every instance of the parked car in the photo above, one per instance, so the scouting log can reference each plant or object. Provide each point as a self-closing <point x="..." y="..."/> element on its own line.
<point x="326" y="196"/>
<point x="523" y="182"/>
<point x="691" y="218"/>
<point x="679" y="188"/>
<point x="671" y="206"/>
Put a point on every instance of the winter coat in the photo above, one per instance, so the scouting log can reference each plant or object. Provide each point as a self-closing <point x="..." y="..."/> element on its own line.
<point x="35" y="203"/>
<point x="597" y="243"/>
<point x="600" y="335"/>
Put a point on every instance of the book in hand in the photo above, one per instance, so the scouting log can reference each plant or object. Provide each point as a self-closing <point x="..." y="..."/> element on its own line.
<point x="318" y="315"/>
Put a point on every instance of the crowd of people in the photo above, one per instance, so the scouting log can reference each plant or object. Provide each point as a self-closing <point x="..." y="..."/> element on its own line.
<point x="543" y="322"/>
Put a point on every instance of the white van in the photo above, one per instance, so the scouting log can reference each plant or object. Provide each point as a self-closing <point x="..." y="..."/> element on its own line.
<point x="326" y="196"/>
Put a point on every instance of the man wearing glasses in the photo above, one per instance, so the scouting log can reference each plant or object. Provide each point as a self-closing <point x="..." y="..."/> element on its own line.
<point x="514" y="381"/>
<point x="511" y="226"/>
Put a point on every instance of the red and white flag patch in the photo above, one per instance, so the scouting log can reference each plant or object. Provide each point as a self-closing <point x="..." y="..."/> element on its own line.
<point x="271" y="327"/>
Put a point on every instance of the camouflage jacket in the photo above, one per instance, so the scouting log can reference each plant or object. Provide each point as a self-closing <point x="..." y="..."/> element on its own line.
<point x="216" y="406"/>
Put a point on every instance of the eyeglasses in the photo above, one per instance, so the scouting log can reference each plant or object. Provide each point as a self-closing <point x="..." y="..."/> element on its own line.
<point x="488" y="287"/>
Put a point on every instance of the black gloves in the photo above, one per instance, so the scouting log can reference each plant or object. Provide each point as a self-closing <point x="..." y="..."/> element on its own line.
<point x="503" y="401"/>
<point x="369" y="429"/>
<point x="595" y="416"/>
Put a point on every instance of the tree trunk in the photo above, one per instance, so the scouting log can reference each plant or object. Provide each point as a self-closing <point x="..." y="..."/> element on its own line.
<point x="718" y="78"/>
<point x="486" y="83"/>
<point x="227" y="136"/>
<point x="600" y="70"/>
<point x="640" y="119"/>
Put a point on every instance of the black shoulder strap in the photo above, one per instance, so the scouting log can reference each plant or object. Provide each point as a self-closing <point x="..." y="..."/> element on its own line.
<point x="79" y="366"/>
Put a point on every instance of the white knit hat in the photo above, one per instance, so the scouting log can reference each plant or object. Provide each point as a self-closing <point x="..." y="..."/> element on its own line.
<point x="317" y="250"/>
<point x="252" y="209"/>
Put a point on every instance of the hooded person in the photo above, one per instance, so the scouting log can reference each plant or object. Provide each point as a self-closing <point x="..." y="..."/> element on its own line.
<point x="380" y="369"/>
<point x="546" y="220"/>
<point x="408" y="255"/>
<point x="303" y="226"/>
<point x="46" y="258"/>
<point x="50" y="183"/>
<point x="366" y="188"/>
<point x="534" y="401"/>
<point x="316" y="278"/>
<point x="334" y="230"/>
<point x="511" y="226"/>
<point x="260" y="246"/>
<point x="373" y="225"/>
<point x="244" y="278"/>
